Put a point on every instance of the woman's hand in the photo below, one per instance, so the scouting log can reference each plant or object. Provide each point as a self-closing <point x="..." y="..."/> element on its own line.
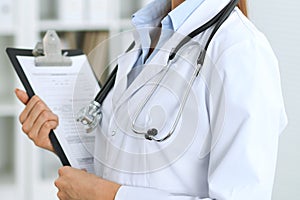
<point x="37" y="120"/>
<point x="78" y="184"/>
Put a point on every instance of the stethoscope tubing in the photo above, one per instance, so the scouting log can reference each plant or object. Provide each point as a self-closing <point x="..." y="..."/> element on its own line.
<point x="109" y="84"/>
<point x="217" y="20"/>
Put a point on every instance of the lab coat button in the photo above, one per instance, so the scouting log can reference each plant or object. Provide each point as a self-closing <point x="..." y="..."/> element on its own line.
<point x="113" y="132"/>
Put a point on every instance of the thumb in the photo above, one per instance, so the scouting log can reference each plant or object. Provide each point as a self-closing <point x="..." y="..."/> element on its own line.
<point x="22" y="96"/>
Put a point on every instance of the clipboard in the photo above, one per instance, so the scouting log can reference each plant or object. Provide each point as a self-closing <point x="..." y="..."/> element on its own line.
<point x="12" y="54"/>
<point x="48" y="60"/>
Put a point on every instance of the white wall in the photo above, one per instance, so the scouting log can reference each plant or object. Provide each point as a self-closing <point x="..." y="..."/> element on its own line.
<point x="280" y="21"/>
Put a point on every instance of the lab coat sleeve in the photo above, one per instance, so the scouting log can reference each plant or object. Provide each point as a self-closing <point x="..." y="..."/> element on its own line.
<point x="139" y="193"/>
<point x="243" y="157"/>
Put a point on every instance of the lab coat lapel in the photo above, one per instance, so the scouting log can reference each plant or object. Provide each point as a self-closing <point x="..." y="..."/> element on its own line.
<point x="160" y="60"/>
<point x="125" y="64"/>
<point x="207" y="10"/>
<point x="150" y="70"/>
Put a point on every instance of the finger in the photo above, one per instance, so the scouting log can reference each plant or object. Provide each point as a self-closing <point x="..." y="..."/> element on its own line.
<point x="63" y="170"/>
<point x="22" y="96"/>
<point x="42" y="126"/>
<point x="40" y="116"/>
<point x="42" y="139"/>
<point x="57" y="183"/>
<point x="36" y="104"/>
<point x="44" y="117"/>
<point x="61" y="195"/>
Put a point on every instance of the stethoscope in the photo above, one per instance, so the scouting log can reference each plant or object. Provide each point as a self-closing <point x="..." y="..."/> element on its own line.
<point x="91" y="115"/>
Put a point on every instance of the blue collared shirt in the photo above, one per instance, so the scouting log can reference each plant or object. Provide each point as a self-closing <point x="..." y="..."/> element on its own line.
<point x="158" y="14"/>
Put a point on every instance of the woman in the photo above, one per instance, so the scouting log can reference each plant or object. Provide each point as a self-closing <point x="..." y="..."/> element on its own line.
<point x="232" y="154"/>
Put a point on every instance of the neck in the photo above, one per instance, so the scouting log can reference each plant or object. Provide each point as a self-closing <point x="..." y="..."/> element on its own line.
<point x="175" y="3"/>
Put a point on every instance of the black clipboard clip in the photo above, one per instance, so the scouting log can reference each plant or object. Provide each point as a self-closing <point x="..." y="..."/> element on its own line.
<point x="49" y="52"/>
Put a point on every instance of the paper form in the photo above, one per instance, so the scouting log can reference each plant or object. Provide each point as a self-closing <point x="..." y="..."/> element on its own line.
<point x="66" y="89"/>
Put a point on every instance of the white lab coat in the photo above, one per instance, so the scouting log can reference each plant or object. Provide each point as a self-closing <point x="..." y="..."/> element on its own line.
<point x="225" y="145"/>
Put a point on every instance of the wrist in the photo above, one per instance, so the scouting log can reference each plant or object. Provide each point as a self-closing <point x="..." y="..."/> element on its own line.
<point x="115" y="188"/>
<point x="106" y="190"/>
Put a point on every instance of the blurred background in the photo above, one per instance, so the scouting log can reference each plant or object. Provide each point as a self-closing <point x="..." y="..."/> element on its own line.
<point x="27" y="173"/>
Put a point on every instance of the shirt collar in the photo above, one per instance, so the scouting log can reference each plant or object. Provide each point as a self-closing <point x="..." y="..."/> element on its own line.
<point x="179" y="15"/>
<point x="159" y="12"/>
<point x="152" y="14"/>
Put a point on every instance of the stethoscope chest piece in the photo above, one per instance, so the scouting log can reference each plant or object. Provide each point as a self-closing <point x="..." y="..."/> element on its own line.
<point x="90" y="116"/>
